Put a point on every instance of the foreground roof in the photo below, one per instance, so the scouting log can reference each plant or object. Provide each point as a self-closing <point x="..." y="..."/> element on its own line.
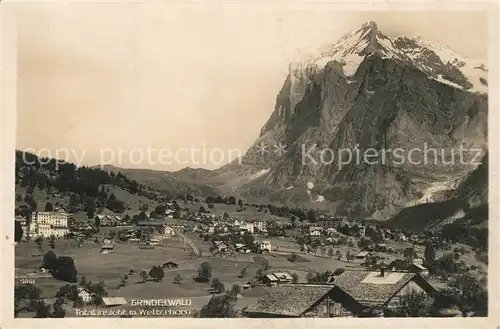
<point x="290" y="299"/>
<point x="370" y="288"/>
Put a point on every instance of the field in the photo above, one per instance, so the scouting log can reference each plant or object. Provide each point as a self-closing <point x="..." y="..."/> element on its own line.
<point x="110" y="268"/>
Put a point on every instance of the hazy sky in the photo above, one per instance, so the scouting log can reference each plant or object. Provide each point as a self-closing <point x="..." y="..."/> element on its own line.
<point x="105" y="76"/>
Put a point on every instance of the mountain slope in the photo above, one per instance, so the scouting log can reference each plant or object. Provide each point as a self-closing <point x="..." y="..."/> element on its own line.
<point x="466" y="205"/>
<point x="173" y="184"/>
<point x="366" y="93"/>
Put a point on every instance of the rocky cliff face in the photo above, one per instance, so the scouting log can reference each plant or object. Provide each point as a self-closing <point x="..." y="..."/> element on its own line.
<point x="351" y="101"/>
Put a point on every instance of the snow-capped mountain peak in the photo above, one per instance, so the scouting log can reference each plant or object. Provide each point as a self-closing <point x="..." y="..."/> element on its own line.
<point x="438" y="61"/>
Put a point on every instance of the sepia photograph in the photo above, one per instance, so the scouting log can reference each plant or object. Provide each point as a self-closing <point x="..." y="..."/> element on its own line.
<point x="249" y="160"/>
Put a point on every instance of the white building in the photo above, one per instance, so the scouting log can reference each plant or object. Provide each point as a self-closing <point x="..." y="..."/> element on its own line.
<point x="57" y="218"/>
<point x="315" y="230"/>
<point x="263" y="245"/>
<point x="32" y="232"/>
<point x="247" y="227"/>
<point x="48" y="223"/>
<point x="169" y="231"/>
<point x="85" y="295"/>
<point x="260" y="226"/>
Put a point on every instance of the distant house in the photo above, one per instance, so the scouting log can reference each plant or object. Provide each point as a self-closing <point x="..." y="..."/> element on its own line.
<point x="220" y="246"/>
<point x="107" y="248"/>
<point x="331" y="231"/>
<point x="283" y="277"/>
<point x="85" y="295"/>
<point x="401" y="237"/>
<point x="353" y="293"/>
<point x="240" y="247"/>
<point x="327" y="222"/>
<point x="168" y="231"/>
<point x="113" y="301"/>
<point x="270" y="279"/>
<point x="263" y="245"/>
<point x="248" y="227"/>
<point x="154" y="242"/>
<point x="362" y="255"/>
<point x="315" y="230"/>
<point x="419" y="261"/>
<point x="260" y="226"/>
<point x="170" y="265"/>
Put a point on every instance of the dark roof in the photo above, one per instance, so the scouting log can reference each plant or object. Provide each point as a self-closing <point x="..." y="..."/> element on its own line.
<point x="290" y="299"/>
<point x="371" y="289"/>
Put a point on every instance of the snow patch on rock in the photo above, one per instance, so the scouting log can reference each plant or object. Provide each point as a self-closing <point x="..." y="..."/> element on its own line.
<point x="259" y="174"/>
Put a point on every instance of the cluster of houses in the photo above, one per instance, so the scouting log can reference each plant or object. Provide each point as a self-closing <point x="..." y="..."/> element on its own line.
<point x="109" y="220"/>
<point x="328" y="226"/>
<point x="214" y="224"/>
<point x="222" y="247"/>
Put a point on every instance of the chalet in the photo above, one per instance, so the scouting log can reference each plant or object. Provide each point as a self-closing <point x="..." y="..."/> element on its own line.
<point x="85" y="295"/>
<point x="240" y="247"/>
<point x="400" y="237"/>
<point x="107" y="248"/>
<point x="380" y="289"/>
<point x="263" y="245"/>
<point x="283" y="277"/>
<point x="260" y="226"/>
<point x="418" y="261"/>
<point x="352" y="294"/>
<point x="154" y="242"/>
<point x="170" y="265"/>
<point x="107" y="220"/>
<point x="315" y="230"/>
<point x="220" y="246"/>
<point x="106" y="241"/>
<point x="270" y="280"/>
<point x="361" y="256"/>
<point x="247" y="227"/>
<point x="331" y="231"/>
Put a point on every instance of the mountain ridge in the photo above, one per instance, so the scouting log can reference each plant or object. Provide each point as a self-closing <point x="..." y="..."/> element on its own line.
<point x="389" y="96"/>
<point x="365" y="91"/>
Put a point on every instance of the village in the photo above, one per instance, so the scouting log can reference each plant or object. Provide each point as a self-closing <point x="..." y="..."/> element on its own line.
<point x="198" y="254"/>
